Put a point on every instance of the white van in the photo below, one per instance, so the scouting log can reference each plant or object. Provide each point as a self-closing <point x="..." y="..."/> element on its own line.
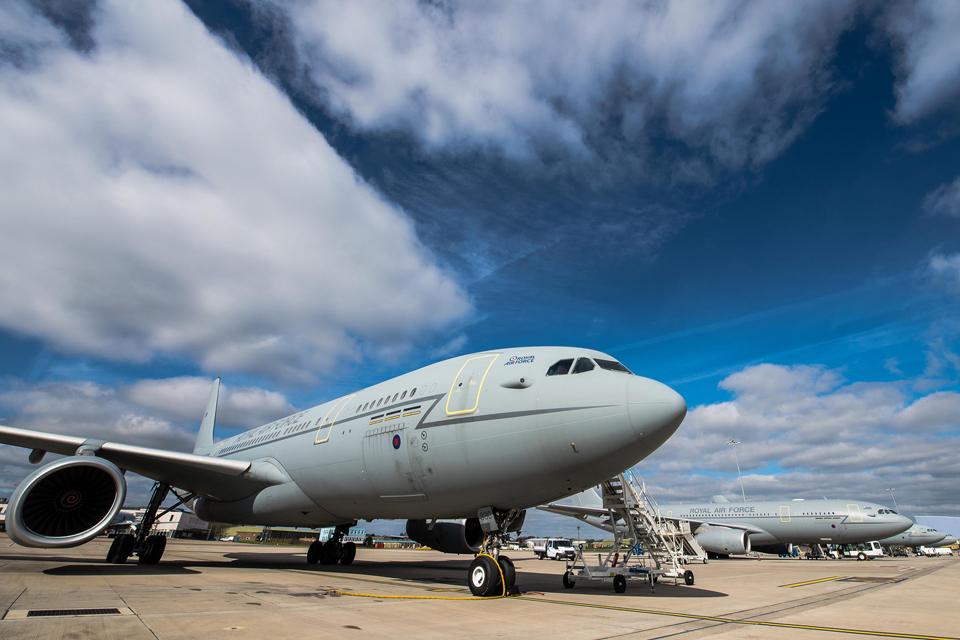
<point x="935" y="551"/>
<point x="554" y="548"/>
<point x="863" y="551"/>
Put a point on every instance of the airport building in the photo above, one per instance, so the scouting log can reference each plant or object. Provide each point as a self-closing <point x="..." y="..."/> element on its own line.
<point x="178" y="524"/>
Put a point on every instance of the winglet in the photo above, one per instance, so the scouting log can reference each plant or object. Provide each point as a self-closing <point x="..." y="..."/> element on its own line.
<point x="205" y="435"/>
<point x="720" y="500"/>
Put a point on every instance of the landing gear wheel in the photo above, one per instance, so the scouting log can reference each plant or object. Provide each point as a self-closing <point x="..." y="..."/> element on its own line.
<point x="314" y="551"/>
<point x="484" y="577"/>
<point x="328" y="552"/>
<point x="861" y="556"/>
<point x="112" y="551"/>
<point x="153" y="548"/>
<point x="619" y="584"/>
<point x="567" y="582"/>
<point x="688" y="578"/>
<point x="349" y="553"/>
<point x="509" y="571"/>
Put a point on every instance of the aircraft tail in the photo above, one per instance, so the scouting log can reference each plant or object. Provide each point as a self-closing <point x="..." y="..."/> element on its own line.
<point x="205" y="435"/>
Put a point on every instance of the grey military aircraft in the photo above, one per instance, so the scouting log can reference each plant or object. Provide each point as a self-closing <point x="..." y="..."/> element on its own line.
<point x="477" y="438"/>
<point x="723" y="528"/>
<point x="916" y="536"/>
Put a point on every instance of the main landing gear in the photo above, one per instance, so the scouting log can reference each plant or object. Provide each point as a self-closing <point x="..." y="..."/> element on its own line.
<point x="492" y="574"/>
<point x="333" y="550"/>
<point x="148" y="548"/>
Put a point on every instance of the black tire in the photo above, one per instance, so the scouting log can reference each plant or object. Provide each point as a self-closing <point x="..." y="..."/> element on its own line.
<point x="619" y="584"/>
<point x="508" y="570"/>
<point x="484" y="577"/>
<point x="328" y="552"/>
<point x="861" y="556"/>
<point x="112" y="551"/>
<point x="567" y="582"/>
<point x="153" y="548"/>
<point x="313" y="552"/>
<point x="121" y="549"/>
<point x="688" y="578"/>
<point x="348" y="554"/>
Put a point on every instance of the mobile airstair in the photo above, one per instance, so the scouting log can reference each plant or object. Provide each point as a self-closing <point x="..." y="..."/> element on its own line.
<point x="647" y="546"/>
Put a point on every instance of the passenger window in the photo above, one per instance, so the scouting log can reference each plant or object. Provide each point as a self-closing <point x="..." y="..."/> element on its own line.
<point x="365" y="406"/>
<point x="413" y="392"/>
<point x="583" y="365"/>
<point x="359" y="406"/>
<point x="560" y="368"/>
<point x="379" y="402"/>
<point x="404" y="395"/>
<point x="395" y="397"/>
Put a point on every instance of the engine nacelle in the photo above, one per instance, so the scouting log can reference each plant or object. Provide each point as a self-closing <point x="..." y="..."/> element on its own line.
<point x="66" y="503"/>
<point x="457" y="536"/>
<point x="725" y="541"/>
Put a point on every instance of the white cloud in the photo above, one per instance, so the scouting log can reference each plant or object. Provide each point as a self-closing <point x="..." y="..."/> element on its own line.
<point x="928" y="75"/>
<point x="946" y="268"/>
<point x="944" y="200"/>
<point x="162" y="197"/>
<point x="161" y="413"/>
<point x="733" y="83"/>
<point x="808" y="433"/>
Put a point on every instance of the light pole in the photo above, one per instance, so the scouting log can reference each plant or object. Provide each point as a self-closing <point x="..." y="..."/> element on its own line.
<point x="578" y="534"/>
<point x="891" y="490"/>
<point x="737" y="458"/>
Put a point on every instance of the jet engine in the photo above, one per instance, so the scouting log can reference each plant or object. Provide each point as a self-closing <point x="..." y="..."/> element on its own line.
<point x="66" y="503"/>
<point x="450" y="536"/>
<point x="725" y="541"/>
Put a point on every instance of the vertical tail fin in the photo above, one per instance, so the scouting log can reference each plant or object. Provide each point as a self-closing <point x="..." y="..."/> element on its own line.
<point x="205" y="435"/>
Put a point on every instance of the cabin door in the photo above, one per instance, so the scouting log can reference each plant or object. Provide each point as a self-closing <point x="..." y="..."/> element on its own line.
<point x="464" y="395"/>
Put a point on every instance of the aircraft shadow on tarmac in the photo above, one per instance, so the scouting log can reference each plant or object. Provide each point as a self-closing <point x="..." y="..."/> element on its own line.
<point x="451" y="572"/>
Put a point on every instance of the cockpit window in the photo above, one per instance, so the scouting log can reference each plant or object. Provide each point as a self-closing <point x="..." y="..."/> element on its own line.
<point x="613" y="365"/>
<point x="584" y="365"/>
<point x="888" y="511"/>
<point x="560" y="367"/>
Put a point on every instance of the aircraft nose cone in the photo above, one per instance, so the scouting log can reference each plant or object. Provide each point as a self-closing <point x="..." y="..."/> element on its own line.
<point x="901" y="524"/>
<point x="655" y="410"/>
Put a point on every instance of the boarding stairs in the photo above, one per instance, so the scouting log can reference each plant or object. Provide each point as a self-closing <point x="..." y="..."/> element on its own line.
<point x="658" y="547"/>
<point x="669" y="542"/>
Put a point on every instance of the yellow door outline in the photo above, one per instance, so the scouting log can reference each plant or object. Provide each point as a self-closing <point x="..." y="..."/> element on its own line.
<point x="338" y="405"/>
<point x="476" y="404"/>
<point x="854" y="511"/>
<point x="785" y="514"/>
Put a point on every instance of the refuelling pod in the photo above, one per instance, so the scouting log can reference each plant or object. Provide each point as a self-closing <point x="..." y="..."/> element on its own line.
<point x="66" y="503"/>
<point x="457" y="536"/>
<point x="725" y="541"/>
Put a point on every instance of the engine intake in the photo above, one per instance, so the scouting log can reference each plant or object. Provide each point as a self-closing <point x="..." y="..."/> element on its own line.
<point x="456" y="536"/>
<point x="725" y="541"/>
<point x="65" y="503"/>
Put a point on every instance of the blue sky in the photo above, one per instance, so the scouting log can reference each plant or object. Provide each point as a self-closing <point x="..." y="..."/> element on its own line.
<point x="755" y="203"/>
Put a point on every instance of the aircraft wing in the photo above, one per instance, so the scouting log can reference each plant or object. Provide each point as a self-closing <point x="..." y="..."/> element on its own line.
<point x="217" y="478"/>
<point x="574" y="511"/>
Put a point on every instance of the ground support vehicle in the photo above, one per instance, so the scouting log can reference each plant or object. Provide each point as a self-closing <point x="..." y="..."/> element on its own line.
<point x="642" y="551"/>
<point x="862" y="551"/>
<point x="935" y="551"/>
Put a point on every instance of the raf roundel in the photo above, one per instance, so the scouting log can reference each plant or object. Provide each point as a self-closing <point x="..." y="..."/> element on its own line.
<point x="396" y="442"/>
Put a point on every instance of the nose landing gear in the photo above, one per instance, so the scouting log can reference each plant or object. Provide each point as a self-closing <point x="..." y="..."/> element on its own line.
<point x="491" y="573"/>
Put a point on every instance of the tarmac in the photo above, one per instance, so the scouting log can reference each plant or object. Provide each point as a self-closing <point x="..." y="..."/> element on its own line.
<point x="234" y="590"/>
